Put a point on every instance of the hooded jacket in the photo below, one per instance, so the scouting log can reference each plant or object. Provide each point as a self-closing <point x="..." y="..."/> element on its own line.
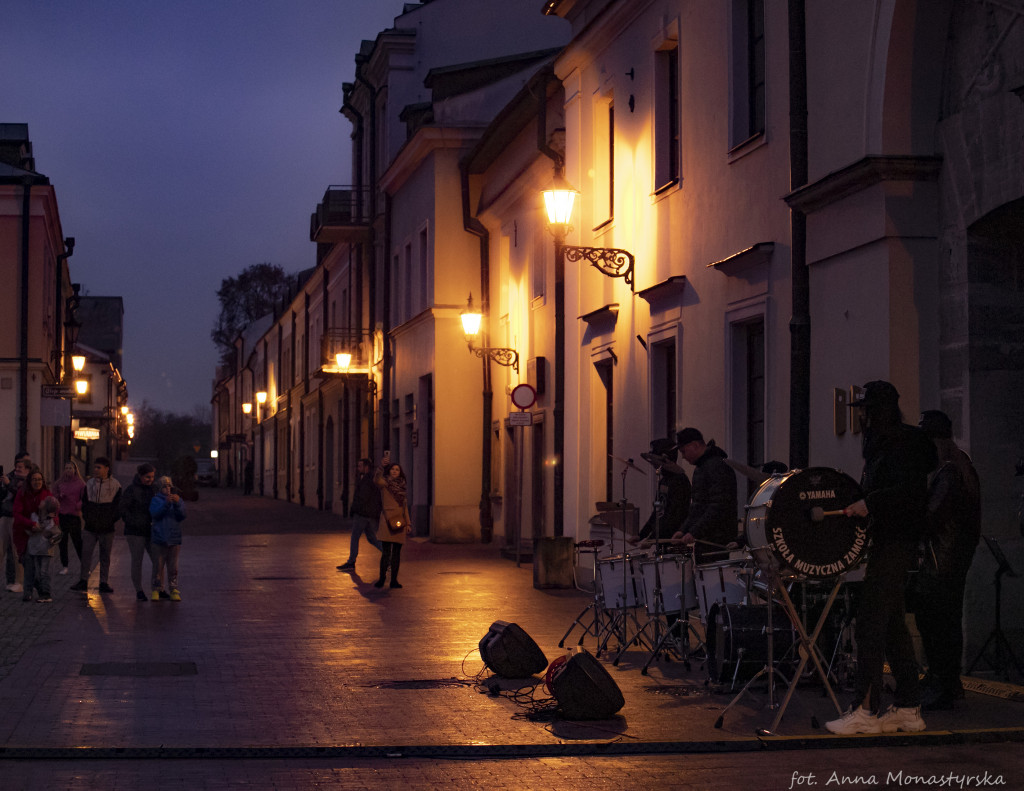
<point x="712" y="514"/>
<point x="134" y="508"/>
<point x="167" y="519"/>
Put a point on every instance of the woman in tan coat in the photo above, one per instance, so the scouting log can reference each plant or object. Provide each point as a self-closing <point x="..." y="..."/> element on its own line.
<point x="394" y="519"/>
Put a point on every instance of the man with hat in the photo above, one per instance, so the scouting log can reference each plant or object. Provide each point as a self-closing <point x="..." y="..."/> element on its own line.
<point x="673" y="493"/>
<point x="712" y="519"/>
<point x="951" y="536"/>
<point x="897" y="461"/>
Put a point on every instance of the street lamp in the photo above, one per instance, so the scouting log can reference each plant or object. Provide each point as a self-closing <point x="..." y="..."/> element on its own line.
<point x="559" y="201"/>
<point x="81" y="386"/>
<point x="78" y="363"/>
<point x="471" y="320"/>
<point x="247" y="408"/>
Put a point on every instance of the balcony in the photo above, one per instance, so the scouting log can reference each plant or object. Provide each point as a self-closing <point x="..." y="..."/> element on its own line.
<point x="342" y="216"/>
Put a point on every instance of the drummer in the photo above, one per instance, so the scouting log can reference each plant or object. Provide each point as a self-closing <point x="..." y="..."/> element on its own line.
<point x="711" y="521"/>
<point x="673" y="494"/>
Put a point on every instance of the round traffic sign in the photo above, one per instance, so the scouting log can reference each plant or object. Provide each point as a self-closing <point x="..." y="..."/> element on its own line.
<point x="524" y="396"/>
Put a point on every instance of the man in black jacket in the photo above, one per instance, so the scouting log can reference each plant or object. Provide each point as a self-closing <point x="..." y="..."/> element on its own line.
<point x="364" y="513"/>
<point x="712" y="521"/>
<point x="952" y="534"/>
<point x="897" y="460"/>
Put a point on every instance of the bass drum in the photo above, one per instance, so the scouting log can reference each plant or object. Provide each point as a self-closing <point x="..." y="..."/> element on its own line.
<point x="737" y="640"/>
<point x="783" y="534"/>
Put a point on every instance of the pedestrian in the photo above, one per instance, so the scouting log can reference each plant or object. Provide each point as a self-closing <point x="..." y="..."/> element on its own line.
<point x="11" y="485"/>
<point x="168" y="512"/>
<point x="100" y="503"/>
<point x="712" y="520"/>
<point x="68" y="489"/>
<point x="44" y="533"/>
<point x="27" y="504"/>
<point x="364" y="513"/>
<point x="897" y="461"/>
<point x="951" y="536"/>
<point x="134" y="512"/>
<point x="248" y="477"/>
<point x="394" y="521"/>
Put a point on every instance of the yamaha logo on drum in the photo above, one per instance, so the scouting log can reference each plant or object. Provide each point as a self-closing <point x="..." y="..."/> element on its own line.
<point x="819" y="494"/>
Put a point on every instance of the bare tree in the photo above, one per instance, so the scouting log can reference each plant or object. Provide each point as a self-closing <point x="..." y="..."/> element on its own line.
<point x="244" y="299"/>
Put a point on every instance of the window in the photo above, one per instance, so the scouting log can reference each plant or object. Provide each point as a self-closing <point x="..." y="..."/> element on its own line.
<point x="748" y="71"/>
<point x="748" y="391"/>
<point x="425" y="300"/>
<point x="663" y="389"/>
<point x="667" y="153"/>
<point x="604" y="158"/>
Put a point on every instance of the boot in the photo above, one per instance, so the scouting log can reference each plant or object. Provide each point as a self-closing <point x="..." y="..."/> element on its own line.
<point x="396" y="558"/>
<point x="383" y="570"/>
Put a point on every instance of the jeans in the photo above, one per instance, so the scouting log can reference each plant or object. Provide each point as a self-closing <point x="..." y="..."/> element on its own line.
<point x="881" y="629"/>
<point x="37" y="575"/>
<point x="71" y="528"/>
<point x="167" y="558"/>
<point x="140" y="546"/>
<point x="89" y="542"/>
<point x="360" y="525"/>
<point x="939" y="613"/>
<point x="8" y="554"/>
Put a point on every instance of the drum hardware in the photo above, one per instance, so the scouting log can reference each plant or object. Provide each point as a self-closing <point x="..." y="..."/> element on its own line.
<point x="595" y="607"/>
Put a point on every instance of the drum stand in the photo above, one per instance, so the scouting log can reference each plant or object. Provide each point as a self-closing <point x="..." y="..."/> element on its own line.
<point x="595" y="608"/>
<point x="618" y="625"/>
<point x="807" y="648"/>
<point x="657" y="620"/>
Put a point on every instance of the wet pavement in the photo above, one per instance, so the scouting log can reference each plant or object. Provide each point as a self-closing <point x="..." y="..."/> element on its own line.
<point x="277" y="671"/>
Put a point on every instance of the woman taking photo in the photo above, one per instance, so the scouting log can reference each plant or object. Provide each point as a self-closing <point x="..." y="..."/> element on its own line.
<point x="68" y="490"/>
<point x="394" y="518"/>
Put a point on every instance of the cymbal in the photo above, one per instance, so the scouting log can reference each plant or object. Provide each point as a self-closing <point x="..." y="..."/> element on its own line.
<point x="663" y="463"/>
<point x="654" y="458"/>
<point x="628" y="462"/>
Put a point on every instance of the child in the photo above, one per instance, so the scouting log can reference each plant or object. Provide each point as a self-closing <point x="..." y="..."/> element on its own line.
<point x="45" y="532"/>
<point x="168" y="512"/>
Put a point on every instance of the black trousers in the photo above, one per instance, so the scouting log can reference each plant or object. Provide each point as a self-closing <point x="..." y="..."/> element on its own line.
<point x="939" y="611"/>
<point x="881" y="629"/>
<point x="71" y="528"/>
<point x="390" y="555"/>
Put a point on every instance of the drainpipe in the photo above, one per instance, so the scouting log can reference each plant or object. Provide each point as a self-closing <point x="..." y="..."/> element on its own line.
<point x="558" y="493"/>
<point x="800" y="322"/>
<point x="26" y="211"/>
<point x="58" y="328"/>
<point x="472" y="225"/>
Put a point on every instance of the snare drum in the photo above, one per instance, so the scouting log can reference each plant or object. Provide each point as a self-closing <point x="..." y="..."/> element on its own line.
<point x="720" y="583"/>
<point x="616" y="581"/>
<point x="678" y="592"/>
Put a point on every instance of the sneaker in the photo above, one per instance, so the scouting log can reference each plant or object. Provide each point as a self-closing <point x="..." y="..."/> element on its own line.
<point x="855" y="720"/>
<point x="140" y="595"/>
<point x="155" y="596"/>
<point x="44" y="600"/>
<point x="164" y="594"/>
<point x="81" y="585"/>
<point x="15" y="587"/>
<point x="902" y="719"/>
<point x="175" y="596"/>
<point x="347" y="567"/>
<point x="63" y="572"/>
<point x="104" y="588"/>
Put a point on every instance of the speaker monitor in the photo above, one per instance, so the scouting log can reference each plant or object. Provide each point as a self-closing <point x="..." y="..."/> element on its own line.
<point x="510" y="652"/>
<point x="585" y="690"/>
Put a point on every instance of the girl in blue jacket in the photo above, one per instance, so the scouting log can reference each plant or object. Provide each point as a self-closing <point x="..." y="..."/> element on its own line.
<point x="168" y="512"/>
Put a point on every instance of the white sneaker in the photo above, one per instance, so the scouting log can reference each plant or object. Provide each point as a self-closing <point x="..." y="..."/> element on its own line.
<point x="856" y="720"/>
<point x="902" y="719"/>
<point x="63" y="571"/>
<point x="15" y="587"/>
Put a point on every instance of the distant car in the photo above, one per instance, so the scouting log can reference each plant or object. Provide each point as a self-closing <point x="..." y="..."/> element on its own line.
<point x="206" y="472"/>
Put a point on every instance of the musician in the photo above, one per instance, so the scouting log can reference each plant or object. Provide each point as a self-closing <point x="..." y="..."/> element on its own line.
<point x="952" y="534"/>
<point x="673" y="492"/>
<point x="712" y="517"/>
<point x="897" y="460"/>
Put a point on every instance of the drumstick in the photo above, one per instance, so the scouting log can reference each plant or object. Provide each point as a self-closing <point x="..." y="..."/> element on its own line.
<point x="818" y="514"/>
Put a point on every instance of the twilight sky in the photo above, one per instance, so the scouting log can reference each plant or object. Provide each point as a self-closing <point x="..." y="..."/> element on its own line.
<point x="186" y="140"/>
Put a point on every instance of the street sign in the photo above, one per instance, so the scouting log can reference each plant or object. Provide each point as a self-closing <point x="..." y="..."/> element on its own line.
<point x="58" y="391"/>
<point x="524" y="396"/>
<point x="520" y="418"/>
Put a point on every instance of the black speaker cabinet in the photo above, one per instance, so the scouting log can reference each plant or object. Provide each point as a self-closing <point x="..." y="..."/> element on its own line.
<point x="585" y="690"/>
<point x="510" y="652"/>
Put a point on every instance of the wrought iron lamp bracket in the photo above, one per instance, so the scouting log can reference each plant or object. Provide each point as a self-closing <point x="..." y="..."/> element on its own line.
<point x="502" y="356"/>
<point x="609" y="260"/>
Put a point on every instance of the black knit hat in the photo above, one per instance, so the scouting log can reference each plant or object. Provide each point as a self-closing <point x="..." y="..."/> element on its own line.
<point x="936" y="424"/>
<point x="688" y="435"/>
